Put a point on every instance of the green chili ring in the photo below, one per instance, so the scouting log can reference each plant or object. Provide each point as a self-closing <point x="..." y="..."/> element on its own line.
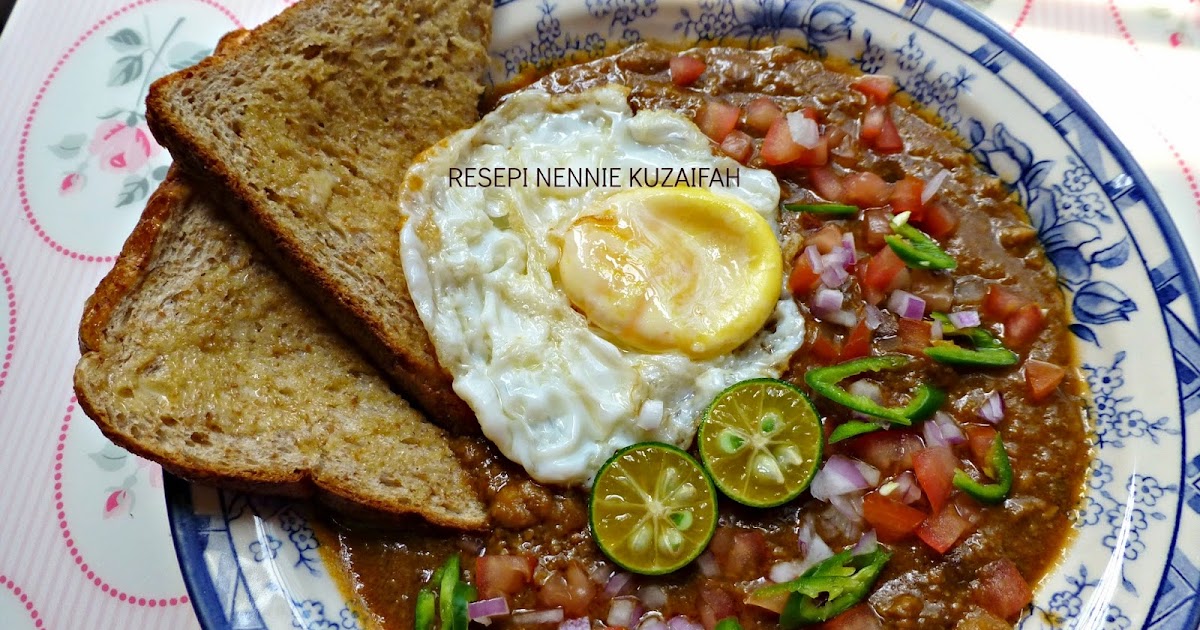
<point x="1001" y="471"/>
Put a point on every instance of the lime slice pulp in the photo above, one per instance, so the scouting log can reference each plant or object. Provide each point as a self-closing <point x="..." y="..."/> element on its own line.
<point x="761" y="440"/>
<point x="653" y="509"/>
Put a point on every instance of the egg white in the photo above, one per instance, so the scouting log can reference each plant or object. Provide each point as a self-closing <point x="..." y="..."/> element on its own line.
<point x="555" y="394"/>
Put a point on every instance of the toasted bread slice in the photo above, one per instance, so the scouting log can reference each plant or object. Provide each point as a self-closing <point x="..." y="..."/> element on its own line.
<point x="198" y="355"/>
<point x="308" y="128"/>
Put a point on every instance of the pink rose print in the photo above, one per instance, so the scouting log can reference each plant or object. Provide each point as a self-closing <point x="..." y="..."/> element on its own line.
<point x="121" y="147"/>
<point x="71" y="183"/>
<point x="119" y="502"/>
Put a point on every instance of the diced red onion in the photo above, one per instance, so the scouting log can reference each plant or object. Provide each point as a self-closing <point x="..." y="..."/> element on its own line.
<point x="849" y="505"/>
<point x="965" y="319"/>
<point x="828" y="300"/>
<point x="933" y="434"/>
<point x="805" y="131"/>
<point x="872" y="316"/>
<point x="950" y="429"/>
<point x="906" y="305"/>
<point x="868" y="543"/>
<point x="784" y="571"/>
<point x="992" y="409"/>
<point x="624" y="612"/>
<point x="840" y="317"/>
<point x="618" y="584"/>
<point x="652" y="622"/>
<point x="708" y="564"/>
<point x="650" y="417"/>
<point x="932" y="186"/>
<point x="680" y="622"/>
<point x="580" y="623"/>
<point x="814" y="258"/>
<point x="601" y="573"/>
<point x="652" y="596"/>
<point x="867" y="389"/>
<point x="935" y="331"/>
<point x="838" y="476"/>
<point x="488" y="608"/>
<point x="834" y="275"/>
<point x="869" y="472"/>
<point x="814" y="548"/>
<point x="850" y="249"/>
<point x="903" y="488"/>
<point x="534" y="617"/>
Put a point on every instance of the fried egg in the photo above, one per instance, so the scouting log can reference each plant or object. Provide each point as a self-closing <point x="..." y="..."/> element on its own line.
<point x="576" y="320"/>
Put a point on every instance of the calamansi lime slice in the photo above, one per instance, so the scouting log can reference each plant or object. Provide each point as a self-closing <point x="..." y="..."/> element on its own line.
<point x="653" y="509"/>
<point x="761" y="440"/>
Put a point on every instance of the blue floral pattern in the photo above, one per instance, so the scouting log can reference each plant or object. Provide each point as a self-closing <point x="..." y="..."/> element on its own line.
<point x="765" y="22"/>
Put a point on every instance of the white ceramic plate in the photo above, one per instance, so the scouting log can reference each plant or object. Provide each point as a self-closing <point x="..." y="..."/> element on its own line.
<point x="252" y="563"/>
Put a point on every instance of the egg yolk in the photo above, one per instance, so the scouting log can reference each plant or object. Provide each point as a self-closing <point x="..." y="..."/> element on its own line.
<point x="664" y="269"/>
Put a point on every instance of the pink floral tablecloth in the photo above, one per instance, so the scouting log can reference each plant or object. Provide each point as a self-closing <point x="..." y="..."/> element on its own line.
<point x="84" y="541"/>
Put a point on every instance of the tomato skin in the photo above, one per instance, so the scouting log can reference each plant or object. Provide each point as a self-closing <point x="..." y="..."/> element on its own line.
<point x="938" y="221"/>
<point x="866" y="190"/>
<point x="761" y="113"/>
<point x="877" y="87"/>
<point x="779" y="147"/>
<point x="934" y="467"/>
<point x="891" y="452"/>
<point x="889" y="140"/>
<point x="1042" y="378"/>
<point x="739" y="146"/>
<point x="893" y="521"/>
<point x="826" y="183"/>
<point x="872" y="124"/>
<point x="915" y="335"/>
<point x="979" y="440"/>
<point x="826" y="239"/>
<point x="1000" y="302"/>
<point x="906" y="197"/>
<point x="497" y="575"/>
<point x="943" y="529"/>
<point x="859" y="617"/>
<point x="685" y="70"/>
<point x="1022" y="327"/>
<point x="803" y="279"/>
<point x="1001" y="589"/>
<point x="824" y="349"/>
<point x="717" y="120"/>
<point x="857" y="343"/>
<point x="882" y="270"/>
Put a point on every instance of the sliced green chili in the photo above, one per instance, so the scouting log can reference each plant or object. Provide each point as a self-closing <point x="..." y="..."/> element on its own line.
<point x="828" y="588"/>
<point x="987" y="350"/>
<point x="1001" y="471"/>
<point x="464" y="594"/>
<point x="830" y="209"/>
<point x="728" y="623"/>
<point x="925" y="398"/>
<point x="446" y="591"/>
<point x="423" y="617"/>
<point x="916" y="248"/>
<point x="853" y="428"/>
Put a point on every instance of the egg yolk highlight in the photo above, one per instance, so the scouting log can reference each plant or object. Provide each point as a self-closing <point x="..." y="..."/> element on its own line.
<point x="664" y="269"/>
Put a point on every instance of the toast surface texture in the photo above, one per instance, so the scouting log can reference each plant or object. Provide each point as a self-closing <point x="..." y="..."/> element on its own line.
<point x="307" y="129"/>
<point x="197" y="354"/>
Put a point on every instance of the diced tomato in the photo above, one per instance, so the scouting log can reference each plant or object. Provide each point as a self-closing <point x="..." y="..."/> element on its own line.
<point x="826" y="239"/>
<point x="573" y="591"/>
<point x="882" y="270"/>
<point x="859" y="617"/>
<point x="906" y="197"/>
<point x="914" y="336"/>
<point x="889" y="451"/>
<point x="1042" y="378"/>
<point x="866" y="190"/>
<point x="1023" y="326"/>
<point x="938" y="221"/>
<point x="826" y="183"/>
<point x="934" y="467"/>
<point x="877" y="87"/>
<point x="893" y="521"/>
<point x="761" y="113"/>
<point x="876" y="226"/>
<point x="497" y="575"/>
<point x="1001" y="589"/>
<point x="685" y="70"/>
<point x="979" y="440"/>
<point x="717" y="119"/>
<point x="1000" y="302"/>
<point x="740" y="553"/>
<point x="715" y="605"/>
<point x="779" y="147"/>
<point x="889" y="140"/>
<point x="816" y="156"/>
<point x="739" y="146"/>
<point x="803" y="279"/>
<point x="943" y="529"/>
<point x="872" y="124"/>
<point x="858" y="342"/>
<point x="824" y="349"/>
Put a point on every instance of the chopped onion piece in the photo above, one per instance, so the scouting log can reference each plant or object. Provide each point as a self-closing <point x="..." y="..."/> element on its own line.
<point x="867" y="389"/>
<point x="708" y="564"/>
<point x="805" y="131"/>
<point x="906" y="305"/>
<point x="850" y="249"/>
<point x="933" y="185"/>
<point x="840" y="317"/>
<point x="965" y="319"/>
<point x="581" y="623"/>
<point x="838" y="476"/>
<point x="624" y="612"/>
<point x="935" y="331"/>
<point x="868" y="543"/>
<point x="652" y="622"/>
<point x="488" y="608"/>
<point x="652" y="596"/>
<point x="618" y="584"/>
<point x="650" y="417"/>
<point x="534" y="617"/>
<point x="834" y="276"/>
<point x="784" y="571"/>
<point x="932" y="432"/>
<point x="679" y="622"/>
<point x="993" y="408"/>
<point x="849" y="505"/>
<point x="814" y="548"/>
<point x="828" y="300"/>
<point x="950" y="429"/>
<point x="814" y="258"/>
<point x="869" y="472"/>
<point x="873" y="317"/>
